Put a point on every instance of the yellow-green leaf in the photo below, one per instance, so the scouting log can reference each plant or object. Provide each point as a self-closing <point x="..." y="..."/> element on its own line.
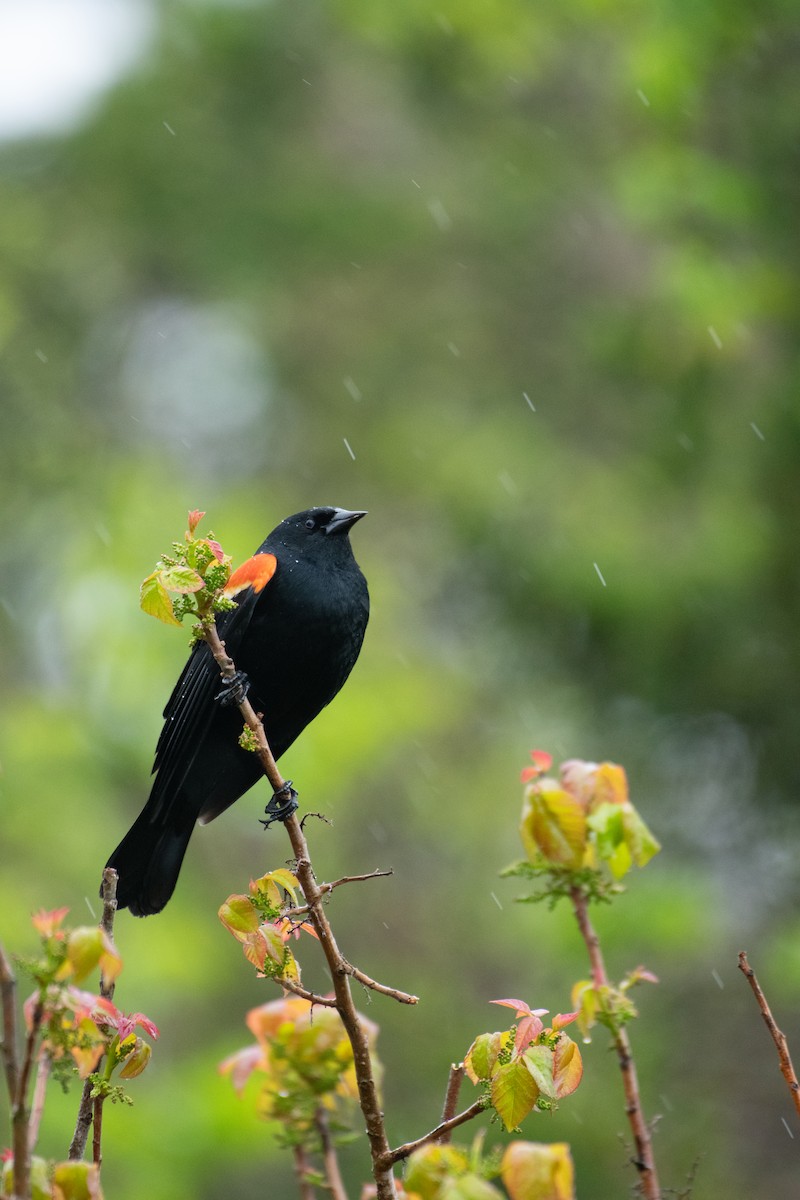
<point x="553" y="825"/>
<point x="239" y="916"/>
<point x="531" y="1171"/>
<point x="514" y="1093"/>
<point x="154" y="599"/>
<point x="180" y="579"/>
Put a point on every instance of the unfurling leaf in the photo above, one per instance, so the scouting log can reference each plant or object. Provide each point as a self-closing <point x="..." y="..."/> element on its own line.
<point x="195" y="517"/>
<point x="553" y="825"/>
<point x="136" y="1059"/>
<point x="155" y="600"/>
<point x="531" y="1171"/>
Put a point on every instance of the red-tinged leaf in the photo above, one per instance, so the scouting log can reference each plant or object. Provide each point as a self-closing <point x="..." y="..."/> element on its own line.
<point x="553" y="825"/>
<point x="560" y="1020"/>
<point x="528" y="1030"/>
<point x="48" y="923"/>
<point x="216" y="549"/>
<point x="195" y="517"/>
<point x="266" y="942"/>
<point x="239" y="916"/>
<point x="77" y="1181"/>
<point x="578" y="777"/>
<point x="180" y="579"/>
<point x="154" y="599"/>
<point x="256" y="572"/>
<point x="514" y="1093"/>
<point x="542" y="760"/>
<point x="567" y="1066"/>
<point x="521" y="1009"/>
<point x="241" y="1065"/>
<point x="255" y="948"/>
<point x="642" y="975"/>
<point x="531" y="1171"/>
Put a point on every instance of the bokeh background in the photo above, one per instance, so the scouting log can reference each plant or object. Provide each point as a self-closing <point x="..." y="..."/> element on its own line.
<point x="520" y="279"/>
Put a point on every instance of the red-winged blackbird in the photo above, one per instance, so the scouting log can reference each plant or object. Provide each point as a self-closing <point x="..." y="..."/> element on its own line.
<point x="296" y="641"/>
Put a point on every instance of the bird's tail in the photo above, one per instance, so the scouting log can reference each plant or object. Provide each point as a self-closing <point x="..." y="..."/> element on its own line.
<point x="148" y="862"/>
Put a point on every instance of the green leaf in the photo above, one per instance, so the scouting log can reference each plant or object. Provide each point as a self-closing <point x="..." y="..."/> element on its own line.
<point x="641" y="842"/>
<point x="481" y="1057"/>
<point x="155" y="600"/>
<point x="539" y="1061"/>
<point x="514" y="1093"/>
<point x="468" y="1187"/>
<point x="621" y="837"/>
<point x="181" y="579"/>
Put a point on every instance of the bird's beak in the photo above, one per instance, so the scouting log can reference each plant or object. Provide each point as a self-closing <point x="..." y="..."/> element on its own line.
<point x="342" y="520"/>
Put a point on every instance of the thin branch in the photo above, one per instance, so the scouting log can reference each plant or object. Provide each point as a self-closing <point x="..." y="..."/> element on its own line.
<point x="436" y="1135"/>
<point x="97" y="1130"/>
<point x="643" y="1160"/>
<point x="328" y="887"/>
<point x="402" y="997"/>
<point x="20" y="1113"/>
<point x="39" y="1093"/>
<point x="88" y="1108"/>
<point x="301" y="1170"/>
<point x="451" y="1096"/>
<point x="362" y="1061"/>
<point x="329" y="1157"/>
<point x="8" y="996"/>
<point x="782" y="1046"/>
<point x="297" y="990"/>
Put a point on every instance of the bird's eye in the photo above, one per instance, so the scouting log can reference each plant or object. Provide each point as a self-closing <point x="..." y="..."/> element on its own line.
<point x="310" y="523"/>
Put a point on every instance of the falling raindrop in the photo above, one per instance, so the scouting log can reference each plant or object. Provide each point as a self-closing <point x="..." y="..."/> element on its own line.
<point x="600" y="575"/>
<point x="349" y="449"/>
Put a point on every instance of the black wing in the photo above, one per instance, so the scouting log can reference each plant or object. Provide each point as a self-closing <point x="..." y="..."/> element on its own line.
<point x="191" y="707"/>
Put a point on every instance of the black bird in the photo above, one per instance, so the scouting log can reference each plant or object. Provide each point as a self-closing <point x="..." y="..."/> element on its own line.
<point x="296" y="640"/>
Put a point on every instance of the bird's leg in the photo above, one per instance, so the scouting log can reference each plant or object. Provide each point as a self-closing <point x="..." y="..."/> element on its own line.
<point x="235" y="690"/>
<point x="282" y="804"/>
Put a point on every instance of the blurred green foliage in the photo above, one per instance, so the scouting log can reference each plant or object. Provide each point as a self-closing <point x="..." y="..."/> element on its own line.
<point x="520" y="280"/>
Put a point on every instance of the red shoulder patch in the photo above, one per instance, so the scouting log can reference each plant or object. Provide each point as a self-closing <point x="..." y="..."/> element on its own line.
<point x="256" y="573"/>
